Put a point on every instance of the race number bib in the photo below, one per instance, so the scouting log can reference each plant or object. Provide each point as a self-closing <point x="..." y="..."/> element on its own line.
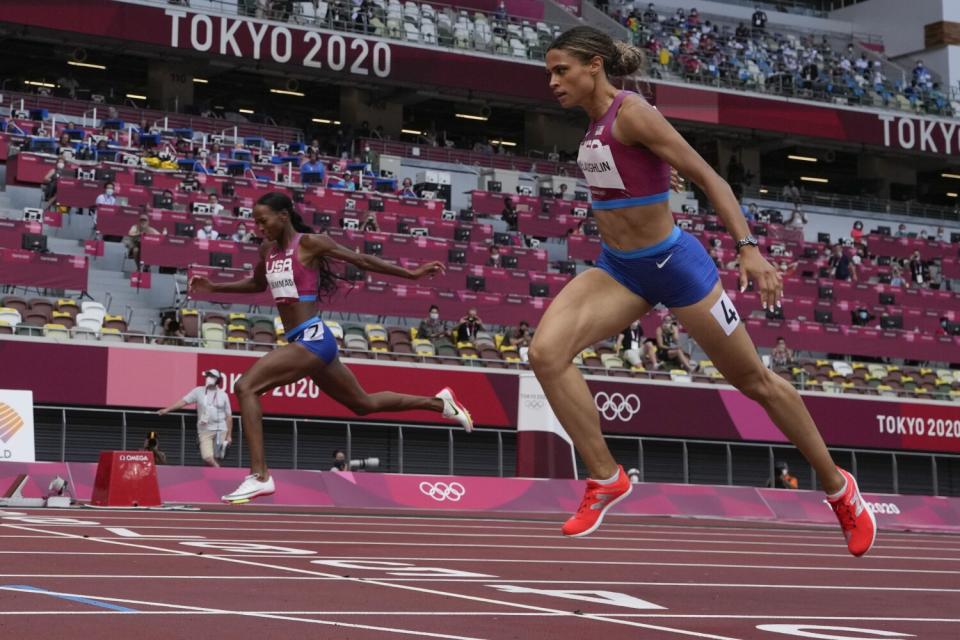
<point x="725" y="314"/>
<point x="314" y="333"/>
<point x="596" y="163"/>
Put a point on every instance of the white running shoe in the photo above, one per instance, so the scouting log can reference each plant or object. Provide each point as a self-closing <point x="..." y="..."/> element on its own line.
<point x="251" y="487"/>
<point x="453" y="410"/>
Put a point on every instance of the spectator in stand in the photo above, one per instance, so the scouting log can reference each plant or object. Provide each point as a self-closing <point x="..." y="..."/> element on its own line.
<point x="781" y="356"/>
<point x="173" y="333"/>
<point x="313" y="165"/>
<point x="468" y="327"/>
<point x="241" y="234"/>
<point x="668" y="344"/>
<point x="494" y="260"/>
<point x="750" y="212"/>
<point x="214" y="204"/>
<point x="562" y="193"/>
<point x="108" y="196"/>
<point x="798" y="219"/>
<point x="941" y="235"/>
<point x="132" y="240"/>
<point x="902" y="230"/>
<point x="918" y="270"/>
<point x="509" y="213"/>
<point x="521" y="335"/>
<point x="371" y="224"/>
<point x="843" y="267"/>
<point x="634" y="349"/>
<point x="432" y="328"/>
<point x="791" y="193"/>
<point x="896" y="276"/>
<point x="520" y="338"/>
<point x="758" y="21"/>
<point x="339" y="461"/>
<point x="650" y="16"/>
<point x="65" y="144"/>
<point x="406" y="189"/>
<point x="856" y="233"/>
<point x="50" y="182"/>
<point x="207" y="232"/>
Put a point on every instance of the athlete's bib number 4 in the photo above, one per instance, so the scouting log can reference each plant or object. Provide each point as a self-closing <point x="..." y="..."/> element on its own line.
<point x="725" y="313"/>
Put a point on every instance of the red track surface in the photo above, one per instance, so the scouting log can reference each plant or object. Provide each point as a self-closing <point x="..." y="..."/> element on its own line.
<point x="458" y="576"/>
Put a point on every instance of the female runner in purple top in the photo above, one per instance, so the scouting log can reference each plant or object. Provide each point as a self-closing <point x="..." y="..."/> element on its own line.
<point x="645" y="259"/>
<point x="293" y="265"/>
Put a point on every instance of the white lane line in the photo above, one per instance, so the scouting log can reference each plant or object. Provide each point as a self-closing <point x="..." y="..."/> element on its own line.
<point x="525" y="536"/>
<point x="498" y="614"/>
<point x="627" y="583"/>
<point x="270" y="616"/>
<point x="685" y="565"/>
<point x="531" y="518"/>
<point x="572" y="547"/>
<point x="546" y="527"/>
<point x="405" y="587"/>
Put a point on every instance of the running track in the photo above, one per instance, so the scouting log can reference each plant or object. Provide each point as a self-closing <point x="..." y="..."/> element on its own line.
<point x="252" y="571"/>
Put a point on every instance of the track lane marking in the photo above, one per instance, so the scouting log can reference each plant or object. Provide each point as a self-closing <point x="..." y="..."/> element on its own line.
<point x="288" y="618"/>
<point x="393" y="585"/>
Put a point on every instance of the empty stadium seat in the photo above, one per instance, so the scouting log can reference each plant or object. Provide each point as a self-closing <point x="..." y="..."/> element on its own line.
<point x="212" y="335"/>
<point x="109" y="334"/>
<point x="64" y="318"/>
<point x="10" y="316"/>
<point x="90" y="320"/>
<point x="190" y="322"/>
<point x="424" y="347"/>
<point x="56" y="331"/>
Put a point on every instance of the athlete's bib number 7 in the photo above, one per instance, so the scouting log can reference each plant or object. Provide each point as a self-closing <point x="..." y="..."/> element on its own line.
<point x="313" y="332"/>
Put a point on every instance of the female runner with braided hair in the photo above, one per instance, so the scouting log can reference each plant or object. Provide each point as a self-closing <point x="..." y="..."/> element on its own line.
<point x="294" y="265"/>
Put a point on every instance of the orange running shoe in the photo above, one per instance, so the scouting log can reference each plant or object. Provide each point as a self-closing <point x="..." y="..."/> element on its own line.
<point x="856" y="519"/>
<point x="596" y="501"/>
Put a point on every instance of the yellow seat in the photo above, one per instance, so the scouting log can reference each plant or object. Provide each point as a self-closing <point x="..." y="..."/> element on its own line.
<point x="54" y="330"/>
<point x="111" y="335"/>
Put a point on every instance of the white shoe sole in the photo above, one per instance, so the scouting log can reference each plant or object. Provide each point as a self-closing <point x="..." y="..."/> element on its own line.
<point x="599" y="521"/>
<point x="233" y="497"/>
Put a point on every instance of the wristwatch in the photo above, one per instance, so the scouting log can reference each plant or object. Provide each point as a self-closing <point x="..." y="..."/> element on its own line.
<point x="748" y="240"/>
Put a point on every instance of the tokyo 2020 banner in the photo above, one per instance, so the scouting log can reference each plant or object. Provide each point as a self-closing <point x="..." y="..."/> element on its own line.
<point x="300" y="48"/>
<point x="145" y="376"/>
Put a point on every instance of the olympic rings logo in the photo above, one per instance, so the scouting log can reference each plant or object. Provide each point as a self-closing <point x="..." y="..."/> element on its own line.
<point x="441" y="491"/>
<point x="616" y="405"/>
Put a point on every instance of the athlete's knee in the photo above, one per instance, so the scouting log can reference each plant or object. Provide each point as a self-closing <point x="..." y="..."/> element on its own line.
<point x="360" y="405"/>
<point x="244" y="387"/>
<point x="211" y="462"/>
<point x="543" y="359"/>
<point x="760" y="385"/>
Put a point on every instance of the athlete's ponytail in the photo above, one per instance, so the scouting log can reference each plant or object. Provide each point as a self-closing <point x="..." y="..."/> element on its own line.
<point x="281" y="203"/>
<point x="586" y="43"/>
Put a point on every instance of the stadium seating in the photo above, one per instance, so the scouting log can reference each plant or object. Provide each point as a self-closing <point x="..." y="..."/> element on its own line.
<point x="718" y="51"/>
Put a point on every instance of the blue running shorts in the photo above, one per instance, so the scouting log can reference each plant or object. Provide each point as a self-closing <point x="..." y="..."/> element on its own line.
<point x="316" y="337"/>
<point x="676" y="272"/>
